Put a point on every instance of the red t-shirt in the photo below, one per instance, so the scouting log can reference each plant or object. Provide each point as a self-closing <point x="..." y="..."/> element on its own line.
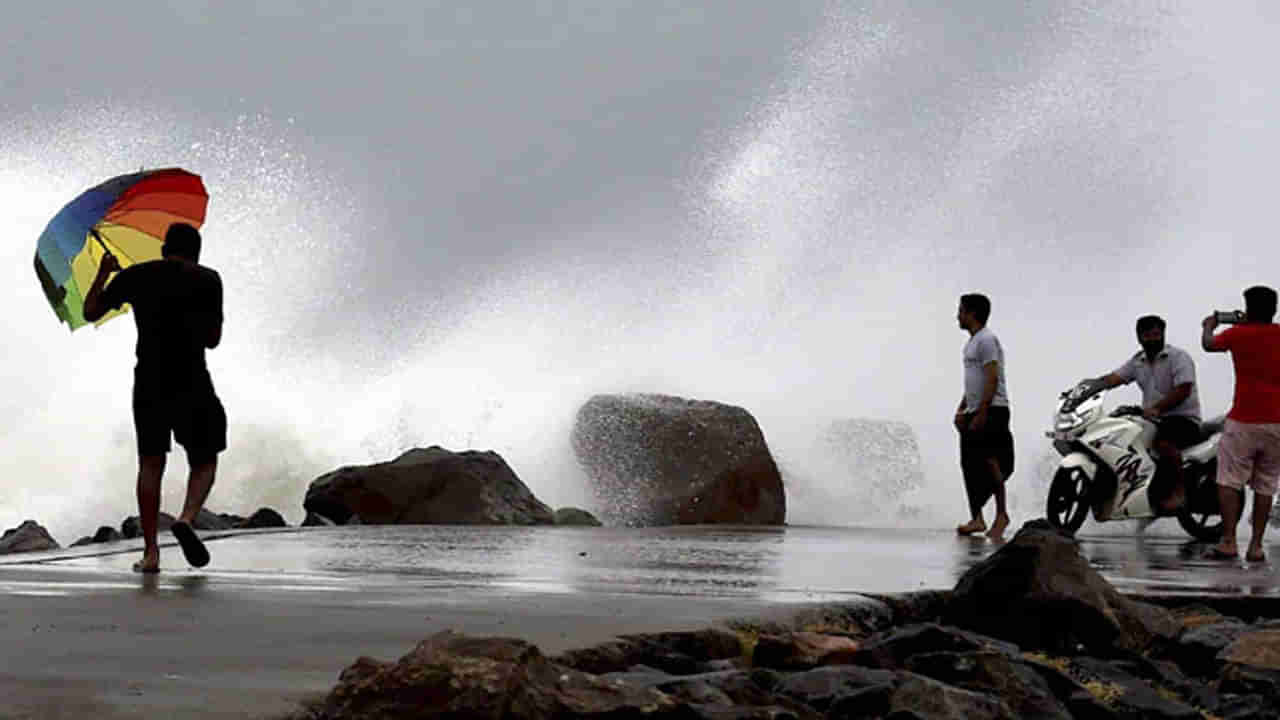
<point x="1255" y="352"/>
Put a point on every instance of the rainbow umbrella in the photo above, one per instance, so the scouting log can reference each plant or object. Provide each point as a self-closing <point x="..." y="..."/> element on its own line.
<point x="126" y="215"/>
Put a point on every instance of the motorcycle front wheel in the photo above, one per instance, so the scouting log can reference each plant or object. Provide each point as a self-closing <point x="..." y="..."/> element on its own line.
<point x="1199" y="525"/>
<point x="1068" y="504"/>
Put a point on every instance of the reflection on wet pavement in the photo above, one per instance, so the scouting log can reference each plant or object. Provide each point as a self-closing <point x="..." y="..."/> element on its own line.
<point x="792" y="564"/>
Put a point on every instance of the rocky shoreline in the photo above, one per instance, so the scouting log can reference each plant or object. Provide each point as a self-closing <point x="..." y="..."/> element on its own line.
<point x="1032" y="631"/>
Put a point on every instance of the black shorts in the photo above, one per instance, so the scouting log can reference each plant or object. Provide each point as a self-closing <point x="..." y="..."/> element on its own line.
<point x="1180" y="430"/>
<point x="188" y="409"/>
<point x="993" y="441"/>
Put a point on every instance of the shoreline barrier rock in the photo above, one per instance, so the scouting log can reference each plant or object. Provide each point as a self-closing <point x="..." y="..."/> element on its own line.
<point x="431" y="486"/>
<point x="655" y="460"/>
<point x="829" y="661"/>
<point x="1039" y="592"/>
<point x="30" y="536"/>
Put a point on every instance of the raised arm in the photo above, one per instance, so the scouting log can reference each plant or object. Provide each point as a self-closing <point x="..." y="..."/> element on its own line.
<point x="94" y="307"/>
<point x="1207" y="339"/>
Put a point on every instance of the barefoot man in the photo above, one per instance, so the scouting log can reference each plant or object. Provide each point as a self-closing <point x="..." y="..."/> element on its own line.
<point x="986" y="445"/>
<point x="177" y="304"/>
<point x="1249" y="451"/>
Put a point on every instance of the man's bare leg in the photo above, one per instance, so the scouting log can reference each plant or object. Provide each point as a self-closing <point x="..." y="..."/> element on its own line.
<point x="997" y="489"/>
<point x="1261" y="516"/>
<point x="1231" y="501"/>
<point x="199" y="484"/>
<point x="150" y="473"/>
<point x="974" y="493"/>
<point x="1169" y="471"/>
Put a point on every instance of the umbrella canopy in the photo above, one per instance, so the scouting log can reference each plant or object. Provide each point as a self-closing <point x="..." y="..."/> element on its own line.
<point x="127" y="215"/>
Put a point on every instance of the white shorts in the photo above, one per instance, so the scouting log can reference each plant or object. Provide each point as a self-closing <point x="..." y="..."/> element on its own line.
<point x="1249" y="454"/>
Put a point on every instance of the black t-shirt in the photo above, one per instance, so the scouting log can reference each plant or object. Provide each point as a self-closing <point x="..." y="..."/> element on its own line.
<point x="176" y="305"/>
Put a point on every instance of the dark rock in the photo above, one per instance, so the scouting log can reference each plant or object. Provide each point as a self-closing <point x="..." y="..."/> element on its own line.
<point x="1196" y="615"/>
<point x="131" y="527"/>
<point x="678" y="653"/>
<point x="316" y="520"/>
<point x="802" y="651"/>
<point x="1014" y="681"/>
<point x="452" y="675"/>
<point x="822" y="687"/>
<point x="867" y="702"/>
<point x="638" y="676"/>
<point x="209" y="520"/>
<point x="1249" y="608"/>
<point x="1196" y="650"/>
<point x="1129" y="695"/>
<point x="1248" y="707"/>
<point x="892" y="648"/>
<point x="428" y="487"/>
<point x="720" y="712"/>
<point x="30" y="536"/>
<point x="662" y="460"/>
<point x="1252" y="664"/>
<point x="1167" y="675"/>
<point x="735" y="688"/>
<point x="1039" y="592"/>
<point x="263" y="518"/>
<point x="106" y="533"/>
<point x="930" y="699"/>
<point x="920" y="606"/>
<point x="575" y="517"/>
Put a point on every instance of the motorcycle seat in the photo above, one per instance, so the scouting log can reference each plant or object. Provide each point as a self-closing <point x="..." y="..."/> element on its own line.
<point x="1212" y="427"/>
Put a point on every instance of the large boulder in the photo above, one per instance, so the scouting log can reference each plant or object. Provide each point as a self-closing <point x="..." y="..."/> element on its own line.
<point x="663" y="460"/>
<point x="30" y="536"/>
<point x="1039" y="592"/>
<point x="431" y="486"/>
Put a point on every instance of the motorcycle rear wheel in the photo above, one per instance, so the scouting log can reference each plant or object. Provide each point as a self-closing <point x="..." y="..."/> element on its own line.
<point x="1068" y="504"/>
<point x="1198" y="525"/>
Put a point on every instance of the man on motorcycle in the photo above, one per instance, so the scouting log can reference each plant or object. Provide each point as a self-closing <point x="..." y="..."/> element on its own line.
<point x="1167" y="376"/>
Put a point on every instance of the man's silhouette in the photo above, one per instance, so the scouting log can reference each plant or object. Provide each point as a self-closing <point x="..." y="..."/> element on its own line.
<point x="177" y="304"/>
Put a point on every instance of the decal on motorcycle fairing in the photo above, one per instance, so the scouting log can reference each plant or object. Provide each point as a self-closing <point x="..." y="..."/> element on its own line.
<point x="1130" y="473"/>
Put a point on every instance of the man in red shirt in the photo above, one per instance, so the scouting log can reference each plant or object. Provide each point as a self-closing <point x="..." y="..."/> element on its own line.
<point x="1249" y="451"/>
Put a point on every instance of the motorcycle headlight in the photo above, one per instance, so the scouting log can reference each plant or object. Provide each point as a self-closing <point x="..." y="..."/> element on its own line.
<point x="1068" y="422"/>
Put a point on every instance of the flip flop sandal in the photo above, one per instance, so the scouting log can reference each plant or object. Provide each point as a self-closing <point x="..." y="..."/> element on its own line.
<point x="138" y="567"/>
<point x="194" y="550"/>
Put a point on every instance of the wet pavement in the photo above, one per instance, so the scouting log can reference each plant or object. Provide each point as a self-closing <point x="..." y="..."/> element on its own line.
<point x="746" y="565"/>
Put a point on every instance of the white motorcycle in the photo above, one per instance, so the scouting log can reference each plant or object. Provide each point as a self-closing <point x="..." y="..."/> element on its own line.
<point x="1108" y="464"/>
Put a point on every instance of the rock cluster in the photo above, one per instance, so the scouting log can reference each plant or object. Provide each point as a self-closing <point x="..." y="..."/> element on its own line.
<point x="927" y="655"/>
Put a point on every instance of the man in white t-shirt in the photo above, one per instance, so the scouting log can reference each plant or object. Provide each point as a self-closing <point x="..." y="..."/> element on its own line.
<point x="982" y="418"/>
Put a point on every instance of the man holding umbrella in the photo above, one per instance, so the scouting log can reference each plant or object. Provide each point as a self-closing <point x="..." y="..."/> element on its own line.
<point x="177" y="304"/>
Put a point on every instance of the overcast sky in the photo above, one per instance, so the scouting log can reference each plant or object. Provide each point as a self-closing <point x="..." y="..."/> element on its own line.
<point x="484" y="128"/>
